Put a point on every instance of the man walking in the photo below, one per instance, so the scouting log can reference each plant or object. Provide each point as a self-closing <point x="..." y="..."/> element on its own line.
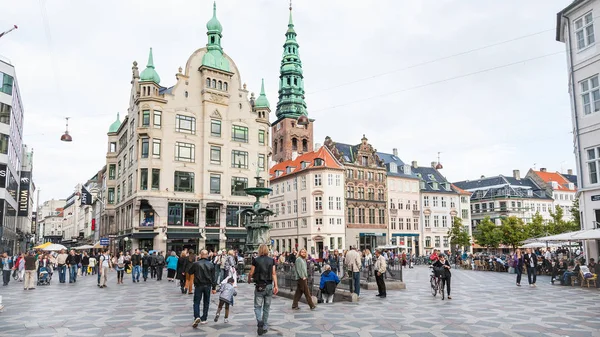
<point x="160" y="265"/>
<point x="353" y="264"/>
<point x="105" y="265"/>
<point x="531" y="264"/>
<point x="203" y="272"/>
<point x="265" y="286"/>
<point x="302" y="282"/>
<point x="146" y="260"/>
<point x="29" y="271"/>
<point x="136" y="262"/>
<point x="6" y="261"/>
<point x="380" y="267"/>
<point x="72" y="265"/>
<point x="61" y="260"/>
<point x="153" y="265"/>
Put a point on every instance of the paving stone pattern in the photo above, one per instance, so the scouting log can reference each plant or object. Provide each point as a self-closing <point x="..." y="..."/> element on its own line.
<point x="483" y="304"/>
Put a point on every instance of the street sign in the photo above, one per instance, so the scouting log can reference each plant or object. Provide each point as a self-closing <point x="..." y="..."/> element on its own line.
<point x="104" y="242"/>
<point x="272" y="241"/>
<point x="596" y="197"/>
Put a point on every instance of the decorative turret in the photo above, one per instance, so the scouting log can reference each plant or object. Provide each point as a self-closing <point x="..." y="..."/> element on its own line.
<point x="214" y="57"/>
<point x="114" y="127"/>
<point x="291" y="85"/>
<point x="261" y="101"/>
<point x="149" y="74"/>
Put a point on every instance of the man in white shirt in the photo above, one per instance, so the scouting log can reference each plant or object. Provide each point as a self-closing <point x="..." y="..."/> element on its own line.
<point x="105" y="265"/>
<point x="353" y="264"/>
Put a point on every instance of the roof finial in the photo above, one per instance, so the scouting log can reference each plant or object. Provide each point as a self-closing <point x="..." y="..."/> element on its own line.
<point x="150" y="59"/>
<point x="290" y="5"/>
<point x="291" y="22"/>
<point x="215" y="8"/>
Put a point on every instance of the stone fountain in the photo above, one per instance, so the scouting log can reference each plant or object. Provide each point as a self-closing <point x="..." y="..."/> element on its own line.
<point x="257" y="229"/>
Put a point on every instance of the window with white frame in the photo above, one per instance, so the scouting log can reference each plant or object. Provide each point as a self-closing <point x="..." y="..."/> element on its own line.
<point x="435" y="202"/>
<point x="330" y="179"/>
<point x="185" y="124"/>
<point x="331" y="221"/>
<point x="436" y="221"/>
<point x="426" y="201"/>
<point x="318" y="180"/>
<point x="338" y="180"/>
<point x="393" y="223"/>
<point x="338" y="203"/>
<point x="339" y="221"/>
<point x="426" y="221"/>
<point x="443" y="202"/>
<point x="330" y="203"/>
<point x="584" y="31"/>
<point x="318" y="221"/>
<point x="593" y="164"/>
<point x="185" y="152"/>
<point x="444" y="221"/>
<point x="302" y="182"/>
<point x="318" y="203"/>
<point x="590" y="94"/>
<point x="401" y="224"/>
<point x="303" y="204"/>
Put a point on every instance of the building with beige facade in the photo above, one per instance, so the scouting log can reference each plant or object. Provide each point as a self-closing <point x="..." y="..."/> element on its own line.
<point x="178" y="162"/>
<point x="308" y="201"/>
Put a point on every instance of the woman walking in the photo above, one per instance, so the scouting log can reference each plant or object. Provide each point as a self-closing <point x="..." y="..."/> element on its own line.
<point x="120" y="268"/>
<point x="172" y="261"/>
<point x="445" y="274"/>
<point x="189" y="277"/>
<point x="180" y="274"/>
<point x="518" y="265"/>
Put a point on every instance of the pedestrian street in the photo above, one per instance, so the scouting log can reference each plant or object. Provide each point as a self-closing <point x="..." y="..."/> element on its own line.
<point x="483" y="304"/>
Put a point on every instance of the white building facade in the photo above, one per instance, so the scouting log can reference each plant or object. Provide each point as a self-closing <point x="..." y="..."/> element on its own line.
<point x="308" y="201"/>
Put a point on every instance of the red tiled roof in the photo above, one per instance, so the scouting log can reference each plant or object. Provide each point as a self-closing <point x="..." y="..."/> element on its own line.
<point x="563" y="184"/>
<point x="460" y="190"/>
<point x="296" y="165"/>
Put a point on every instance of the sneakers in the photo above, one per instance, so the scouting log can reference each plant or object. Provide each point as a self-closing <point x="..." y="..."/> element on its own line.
<point x="260" y="331"/>
<point x="217" y="317"/>
<point x="226" y="320"/>
<point x="203" y="323"/>
<point x="449" y="297"/>
<point x="196" y="322"/>
<point x="295" y="308"/>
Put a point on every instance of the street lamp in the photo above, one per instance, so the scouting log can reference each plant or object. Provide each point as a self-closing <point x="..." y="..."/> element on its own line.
<point x="66" y="137"/>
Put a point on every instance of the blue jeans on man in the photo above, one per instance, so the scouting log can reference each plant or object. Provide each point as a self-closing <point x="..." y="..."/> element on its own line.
<point x="73" y="273"/>
<point x="62" y="273"/>
<point x="201" y="293"/>
<point x="356" y="279"/>
<point x="135" y="274"/>
<point x="262" y="305"/>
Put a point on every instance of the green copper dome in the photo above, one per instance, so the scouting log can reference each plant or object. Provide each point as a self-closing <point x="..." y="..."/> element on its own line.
<point x="213" y="25"/>
<point x="149" y="74"/>
<point x="114" y="127"/>
<point x="262" y="101"/>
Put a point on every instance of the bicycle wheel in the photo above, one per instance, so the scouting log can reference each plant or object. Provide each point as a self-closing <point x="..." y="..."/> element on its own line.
<point x="434" y="286"/>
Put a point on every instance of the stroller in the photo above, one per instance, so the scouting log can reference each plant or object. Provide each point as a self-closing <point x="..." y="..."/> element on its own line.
<point x="44" y="277"/>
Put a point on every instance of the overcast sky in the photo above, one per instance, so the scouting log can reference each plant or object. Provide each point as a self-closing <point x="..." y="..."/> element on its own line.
<point x="361" y="66"/>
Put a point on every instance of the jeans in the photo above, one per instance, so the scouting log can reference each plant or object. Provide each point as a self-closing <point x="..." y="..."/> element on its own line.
<point x="262" y="305"/>
<point x="218" y="273"/>
<point x="380" y="285"/>
<point x="202" y="293"/>
<point x="135" y="274"/>
<point x="144" y="273"/>
<point x="519" y="271"/>
<point x="530" y="273"/>
<point x="72" y="274"/>
<point x="84" y="270"/>
<point x="62" y="271"/>
<point x="159" y="272"/>
<point x="98" y="272"/>
<point x="120" y="275"/>
<point x="6" y="276"/>
<point x="356" y="283"/>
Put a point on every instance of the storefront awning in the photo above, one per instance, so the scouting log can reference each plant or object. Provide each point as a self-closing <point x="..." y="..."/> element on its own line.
<point x="144" y="235"/>
<point x="188" y="235"/>
<point x="236" y="234"/>
<point x="405" y="234"/>
<point x="212" y="237"/>
<point x="372" y="234"/>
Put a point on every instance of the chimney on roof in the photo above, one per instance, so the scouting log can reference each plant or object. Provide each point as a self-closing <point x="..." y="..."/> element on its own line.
<point x="395" y="152"/>
<point x="543" y="169"/>
<point x="317" y="146"/>
<point x="433" y="164"/>
<point x="570" y="171"/>
<point x="414" y="164"/>
<point x="482" y="176"/>
<point x="517" y="174"/>
<point x="294" y="155"/>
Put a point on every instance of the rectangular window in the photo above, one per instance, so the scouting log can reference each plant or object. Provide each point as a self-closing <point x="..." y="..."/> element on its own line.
<point x="155" y="179"/>
<point x="215" y="128"/>
<point x="445" y="241"/>
<point x="416" y="224"/>
<point x="185" y="152"/>
<point x="129" y="185"/>
<point x="371" y="216"/>
<point x="436" y="221"/>
<point x="238" y="185"/>
<point x="261" y="137"/>
<point x="593" y="163"/>
<point x="4" y="141"/>
<point x="331" y="203"/>
<point x="185" y="124"/>
<point x="437" y="241"/>
<point x="426" y="201"/>
<point x="350" y="215"/>
<point x="175" y="215"/>
<point x="112" y="171"/>
<point x="143" y="179"/>
<point x="303" y="204"/>
<point x="6" y="83"/>
<point x="338" y="180"/>
<point x="156" y="148"/>
<point x="590" y="94"/>
<point x="304" y="223"/>
<point x="261" y="165"/>
<point x="361" y="215"/>
<point x="215" y="184"/>
<point x="157" y="119"/>
<point x="401" y="224"/>
<point x="584" y="31"/>
<point x="330" y="179"/>
<point x="215" y="155"/>
<point x="239" y="134"/>
<point x="435" y="202"/>
<point x="145" y="147"/>
<point x="361" y="193"/>
<point x="303" y="183"/>
<point x="113" y="147"/>
<point x="318" y="221"/>
<point x="382" y="217"/>
<point x="184" y="181"/>
<point x="111" y="195"/>
<point x="444" y="221"/>
<point x="239" y="159"/>
<point x="393" y="223"/>
<point x="331" y="221"/>
<point x="408" y="224"/>
<point x="318" y="203"/>
<point x="295" y="206"/>
<point x="146" y="118"/>
<point x="465" y="213"/>
<point x="443" y="202"/>
<point x="318" y="180"/>
<point x="338" y="203"/>
<point x="5" y="113"/>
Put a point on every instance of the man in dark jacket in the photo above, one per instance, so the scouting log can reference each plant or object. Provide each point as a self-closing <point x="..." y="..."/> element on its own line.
<point x="146" y="261"/>
<point x="531" y="263"/>
<point x="160" y="265"/>
<point x="136" y="262"/>
<point x="204" y="281"/>
<point x="153" y="265"/>
<point x="72" y="265"/>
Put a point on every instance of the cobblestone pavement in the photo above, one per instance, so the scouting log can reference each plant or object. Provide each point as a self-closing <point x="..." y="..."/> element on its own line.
<point x="483" y="304"/>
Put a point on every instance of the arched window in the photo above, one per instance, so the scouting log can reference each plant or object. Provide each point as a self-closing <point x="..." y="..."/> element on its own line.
<point x="288" y="81"/>
<point x="295" y="81"/>
<point x="212" y="39"/>
<point x="220" y="85"/>
<point x="281" y="144"/>
<point x="294" y="144"/>
<point x="275" y="148"/>
<point x="208" y="82"/>
<point x="225" y="86"/>
<point x="304" y="145"/>
<point x="214" y="83"/>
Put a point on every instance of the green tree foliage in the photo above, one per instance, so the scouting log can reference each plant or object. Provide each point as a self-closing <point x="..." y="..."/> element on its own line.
<point x="575" y="214"/>
<point x="536" y="227"/>
<point x="558" y="225"/>
<point x="487" y="234"/>
<point x="459" y="234"/>
<point x="513" y="231"/>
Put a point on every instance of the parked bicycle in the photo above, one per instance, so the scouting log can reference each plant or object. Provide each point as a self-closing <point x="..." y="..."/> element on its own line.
<point x="435" y="282"/>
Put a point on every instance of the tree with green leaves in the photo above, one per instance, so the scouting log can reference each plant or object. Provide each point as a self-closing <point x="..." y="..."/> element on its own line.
<point x="487" y="234"/>
<point x="558" y="225"/>
<point x="537" y="228"/>
<point x="459" y="234"/>
<point x="575" y="214"/>
<point x="513" y="231"/>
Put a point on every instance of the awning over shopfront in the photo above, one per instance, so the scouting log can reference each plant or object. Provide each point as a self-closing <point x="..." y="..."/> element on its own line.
<point x="212" y="237"/>
<point x="237" y="234"/>
<point x="372" y="234"/>
<point x="405" y="234"/>
<point x="144" y="235"/>
<point x="184" y="235"/>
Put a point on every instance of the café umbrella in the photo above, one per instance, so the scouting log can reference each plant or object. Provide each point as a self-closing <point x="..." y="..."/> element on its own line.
<point x="54" y="247"/>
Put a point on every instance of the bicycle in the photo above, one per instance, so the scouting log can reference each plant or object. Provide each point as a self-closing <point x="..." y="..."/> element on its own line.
<point x="435" y="282"/>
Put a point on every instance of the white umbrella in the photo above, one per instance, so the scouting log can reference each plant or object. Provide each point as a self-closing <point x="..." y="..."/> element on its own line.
<point x="588" y="234"/>
<point x="569" y="236"/>
<point x="84" y="247"/>
<point x="539" y="245"/>
<point x="55" y="247"/>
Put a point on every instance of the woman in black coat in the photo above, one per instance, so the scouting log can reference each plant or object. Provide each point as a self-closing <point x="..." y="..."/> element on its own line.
<point x="181" y="267"/>
<point x="445" y="274"/>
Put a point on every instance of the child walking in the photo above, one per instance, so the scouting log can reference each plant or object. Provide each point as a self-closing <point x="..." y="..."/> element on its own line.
<point x="226" y="298"/>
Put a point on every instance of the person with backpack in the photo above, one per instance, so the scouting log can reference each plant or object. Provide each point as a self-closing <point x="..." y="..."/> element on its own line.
<point x="160" y="266"/>
<point x="105" y="265"/>
<point x="189" y="275"/>
<point x="146" y="262"/>
<point x="329" y="281"/>
<point x="153" y="265"/>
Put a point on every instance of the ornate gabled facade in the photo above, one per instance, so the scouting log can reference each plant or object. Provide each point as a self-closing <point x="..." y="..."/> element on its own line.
<point x="288" y="134"/>
<point x="366" y="193"/>
<point x="179" y="161"/>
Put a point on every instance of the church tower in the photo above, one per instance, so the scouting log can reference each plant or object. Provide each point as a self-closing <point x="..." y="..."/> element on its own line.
<point x="292" y="131"/>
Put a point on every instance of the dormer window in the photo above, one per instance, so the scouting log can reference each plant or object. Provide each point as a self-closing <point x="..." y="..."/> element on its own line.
<point x="447" y="186"/>
<point x="278" y="173"/>
<point x="288" y="169"/>
<point x="393" y="168"/>
<point x="304" y="164"/>
<point x="431" y="177"/>
<point x="318" y="162"/>
<point x="435" y="186"/>
<point x="422" y="185"/>
<point x="571" y="186"/>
